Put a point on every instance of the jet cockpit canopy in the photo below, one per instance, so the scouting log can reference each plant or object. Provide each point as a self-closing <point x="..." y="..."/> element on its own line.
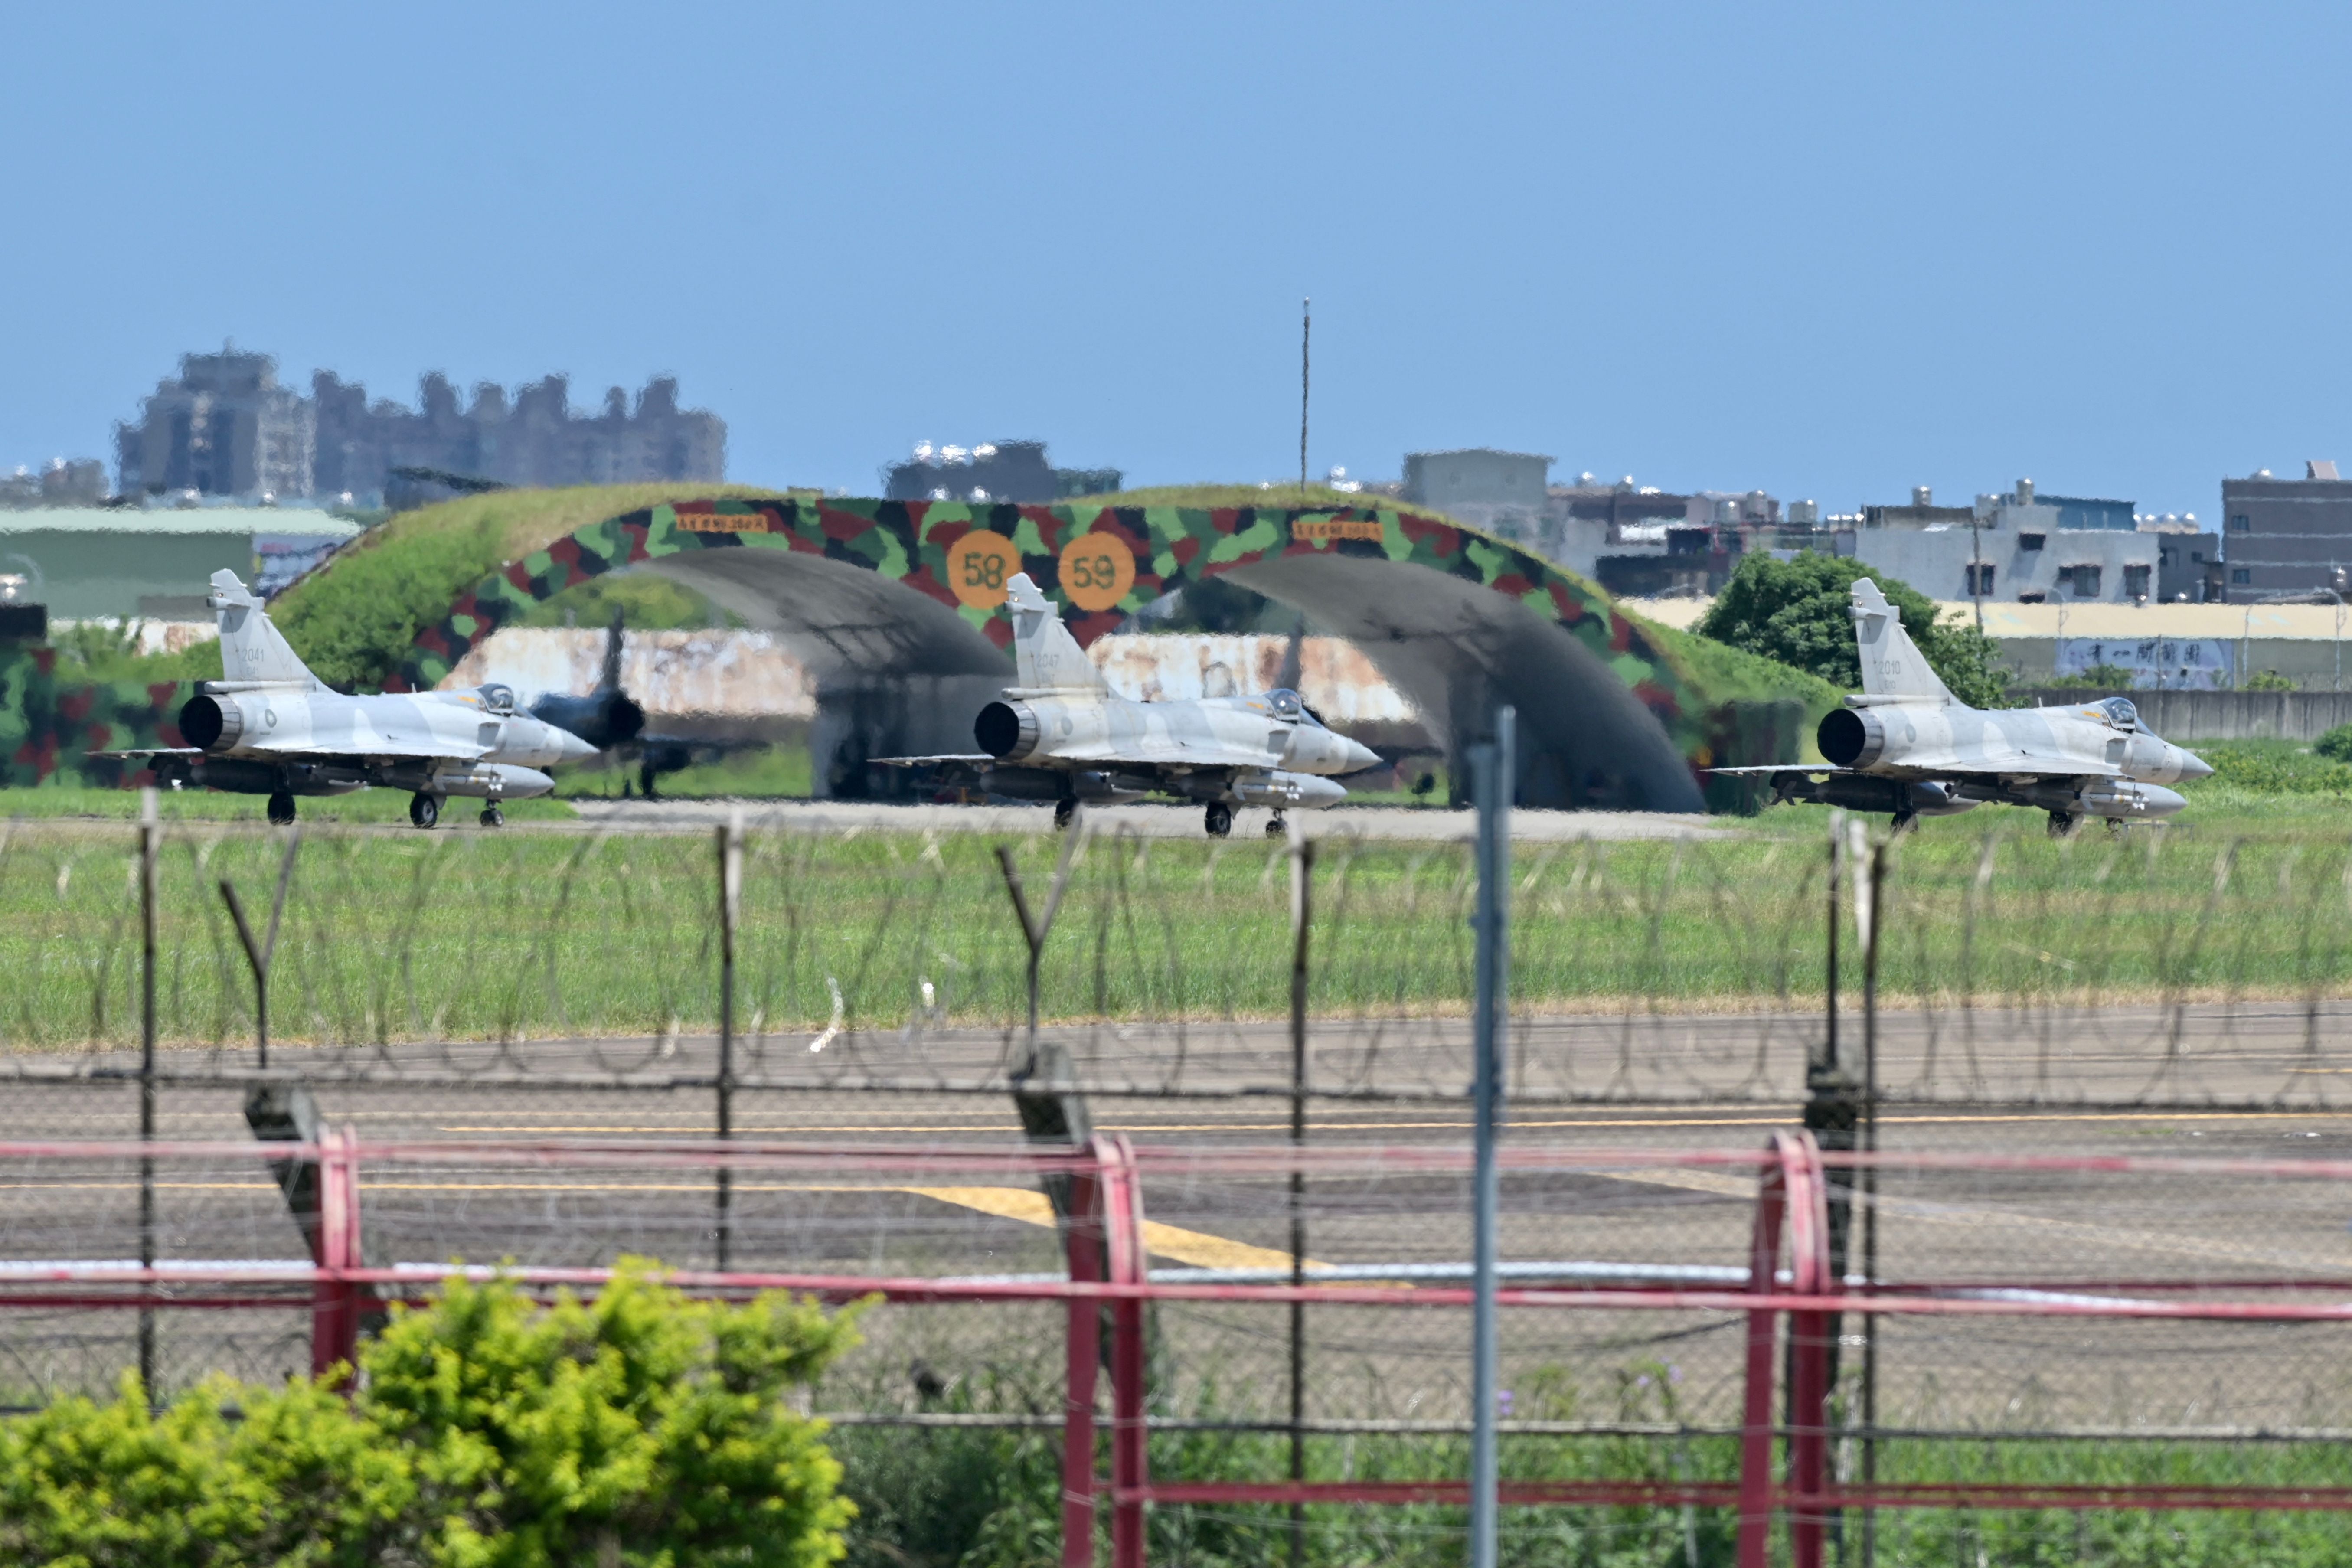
<point x="497" y="698"/>
<point x="2120" y="712"/>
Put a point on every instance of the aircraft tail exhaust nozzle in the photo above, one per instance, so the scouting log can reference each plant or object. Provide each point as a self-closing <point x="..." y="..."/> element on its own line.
<point x="494" y="781"/>
<point x="1007" y="730"/>
<point x="209" y="723"/>
<point x="1282" y="791"/>
<point x="1850" y="737"/>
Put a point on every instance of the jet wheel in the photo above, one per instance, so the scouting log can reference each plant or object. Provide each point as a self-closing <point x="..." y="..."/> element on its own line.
<point x="1220" y="819"/>
<point x="1063" y="811"/>
<point x="1275" y="828"/>
<point x="2062" y="824"/>
<point x="1905" y="822"/>
<point x="424" y="810"/>
<point x="492" y="816"/>
<point x="281" y="808"/>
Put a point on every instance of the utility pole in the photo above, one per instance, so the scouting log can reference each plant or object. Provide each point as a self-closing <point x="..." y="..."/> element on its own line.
<point x="1976" y="564"/>
<point x="1494" y="776"/>
<point x="1305" y="332"/>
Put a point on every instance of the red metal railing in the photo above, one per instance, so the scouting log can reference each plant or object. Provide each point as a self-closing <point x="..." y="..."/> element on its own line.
<point x="1109" y="1279"/>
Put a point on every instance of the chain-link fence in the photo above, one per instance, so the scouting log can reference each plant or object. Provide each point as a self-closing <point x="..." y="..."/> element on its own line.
<point x="2108" y="996"/>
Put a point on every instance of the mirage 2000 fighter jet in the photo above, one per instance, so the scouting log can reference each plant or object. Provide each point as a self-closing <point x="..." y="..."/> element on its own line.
<point x="1906" y="745"/>
<point x="271" y="727"/>
<point x="1060" y="735"/>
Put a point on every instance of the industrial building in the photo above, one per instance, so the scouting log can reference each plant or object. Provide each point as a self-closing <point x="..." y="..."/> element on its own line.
<point x="224" y="426"/>
<point x="1502" y="492"/>
<point x="1014" y="471"/>
<point x="133" y="563"/>
<point x="2286" y="536"/>
<point x="2019" y="546"/>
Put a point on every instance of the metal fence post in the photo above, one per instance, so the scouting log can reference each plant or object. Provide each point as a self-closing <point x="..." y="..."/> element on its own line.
<point x="258" y="953"/>
<point x="1833" y="1109"/>
<point x="150" y="831"/>
<point x="1873" y="922"/>
<point x="731" y="908"/>
<point x="1302" y="876"/>
<point x="1496" y="773"/>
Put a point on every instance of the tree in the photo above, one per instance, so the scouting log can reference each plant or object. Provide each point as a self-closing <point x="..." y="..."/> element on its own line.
<point x="1798" y="611"/>
<point x="639" y="1428"/>
<point x="636" y="1430"/>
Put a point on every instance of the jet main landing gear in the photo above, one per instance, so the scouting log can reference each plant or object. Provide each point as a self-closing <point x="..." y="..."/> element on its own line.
<point x="1063" y="811"/>
<point x="2062" y="824"/>
<point x="281" y="808"/>
<point x="424" y="810"/>
<point x="1220" y="819"/>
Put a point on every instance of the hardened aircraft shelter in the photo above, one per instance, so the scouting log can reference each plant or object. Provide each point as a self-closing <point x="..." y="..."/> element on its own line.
<point x="898" y="606"/>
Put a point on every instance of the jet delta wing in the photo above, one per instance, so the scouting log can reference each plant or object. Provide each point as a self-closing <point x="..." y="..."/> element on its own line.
<point x="1904" y="744"/>
<point x="1061" y="735"/>
<point x="271" y="727"/>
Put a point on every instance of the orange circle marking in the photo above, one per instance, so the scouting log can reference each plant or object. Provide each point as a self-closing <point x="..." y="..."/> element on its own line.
<point x="979" y="565"/>
<point x="1097" y="571"/>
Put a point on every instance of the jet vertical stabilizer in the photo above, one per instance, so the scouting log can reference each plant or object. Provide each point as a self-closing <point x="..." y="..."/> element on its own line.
<point x="251" y="649"/>
<point x="1046" y="655"/>
<point x="1892" y="664"/>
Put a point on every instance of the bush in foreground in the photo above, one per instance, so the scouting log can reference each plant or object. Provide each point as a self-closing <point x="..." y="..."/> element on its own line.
<point x="637" y="1429"/>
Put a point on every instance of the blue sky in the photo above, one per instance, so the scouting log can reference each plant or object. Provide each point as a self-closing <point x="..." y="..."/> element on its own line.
<point x="1832" y="251"/>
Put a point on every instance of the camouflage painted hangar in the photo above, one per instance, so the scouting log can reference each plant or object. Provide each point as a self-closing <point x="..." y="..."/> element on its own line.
<point x="897" y="605"/>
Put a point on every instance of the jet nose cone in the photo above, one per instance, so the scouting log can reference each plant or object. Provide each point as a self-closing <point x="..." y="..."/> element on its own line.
<point x="1357" y="756"/>
<point x="570" y="748"/>
<point x="2193" y="767"/>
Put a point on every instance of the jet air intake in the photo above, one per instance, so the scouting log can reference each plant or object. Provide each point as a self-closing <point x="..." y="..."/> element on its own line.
<point x="1007" y="730"/>
<point x="210" y="724"/>
<point x="1851" y="738"/>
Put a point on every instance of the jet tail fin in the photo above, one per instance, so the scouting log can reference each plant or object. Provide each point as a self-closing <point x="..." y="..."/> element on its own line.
<point x="610" y="680"/>
<point x="251" y="649"/>
<point x="1044" y="653"/>
<point x="1892" y="664"/>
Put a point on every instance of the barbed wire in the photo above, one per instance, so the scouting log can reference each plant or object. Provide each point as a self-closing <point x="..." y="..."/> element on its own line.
<point x="2011" y="970"/>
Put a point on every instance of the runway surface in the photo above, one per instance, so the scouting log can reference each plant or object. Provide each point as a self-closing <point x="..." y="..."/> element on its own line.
<point x="828" y="1214"/>
<point x="1429" y="824"/>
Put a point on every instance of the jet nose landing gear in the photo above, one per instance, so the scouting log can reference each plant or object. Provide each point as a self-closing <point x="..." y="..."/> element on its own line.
<point x="1276" y="827"/>
<point x="492" y="816"/>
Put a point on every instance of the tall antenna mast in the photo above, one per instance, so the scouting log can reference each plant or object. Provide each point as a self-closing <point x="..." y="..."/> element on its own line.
<point x="1306" y="332"/>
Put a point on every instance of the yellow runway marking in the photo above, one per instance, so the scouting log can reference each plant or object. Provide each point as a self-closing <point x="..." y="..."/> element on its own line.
<point x="1017" y="1204"/>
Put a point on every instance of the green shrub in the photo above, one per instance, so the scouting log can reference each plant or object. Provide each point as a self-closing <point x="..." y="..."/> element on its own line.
<point x="639" y="1428"/>
<point x="2098" y="677"/>
<point x="2336" y="744"/>
<point x="2268" y="680"/>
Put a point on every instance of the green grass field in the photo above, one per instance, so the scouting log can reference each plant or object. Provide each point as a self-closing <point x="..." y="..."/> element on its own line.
<point x="397" y="934"/>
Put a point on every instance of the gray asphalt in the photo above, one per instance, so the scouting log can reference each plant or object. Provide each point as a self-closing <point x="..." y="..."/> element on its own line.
<point x="2015" y="1229"/>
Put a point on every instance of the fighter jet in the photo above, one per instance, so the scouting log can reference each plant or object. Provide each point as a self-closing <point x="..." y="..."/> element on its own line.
<point x="610" y="719"/>
<point x="1060" y="735"/>
<point x="271" y="727"/>
<point x="1906" y="745"/>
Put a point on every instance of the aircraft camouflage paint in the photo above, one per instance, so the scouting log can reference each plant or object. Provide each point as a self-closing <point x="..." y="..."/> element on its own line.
<point x="271" y="727"/>
<point x="1060" y="735"/>
<point x="1906" y="745"/>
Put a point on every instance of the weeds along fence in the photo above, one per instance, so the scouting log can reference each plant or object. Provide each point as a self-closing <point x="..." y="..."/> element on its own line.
<point x="2051" y="1354"/>
<point x="2148" y="970"/>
